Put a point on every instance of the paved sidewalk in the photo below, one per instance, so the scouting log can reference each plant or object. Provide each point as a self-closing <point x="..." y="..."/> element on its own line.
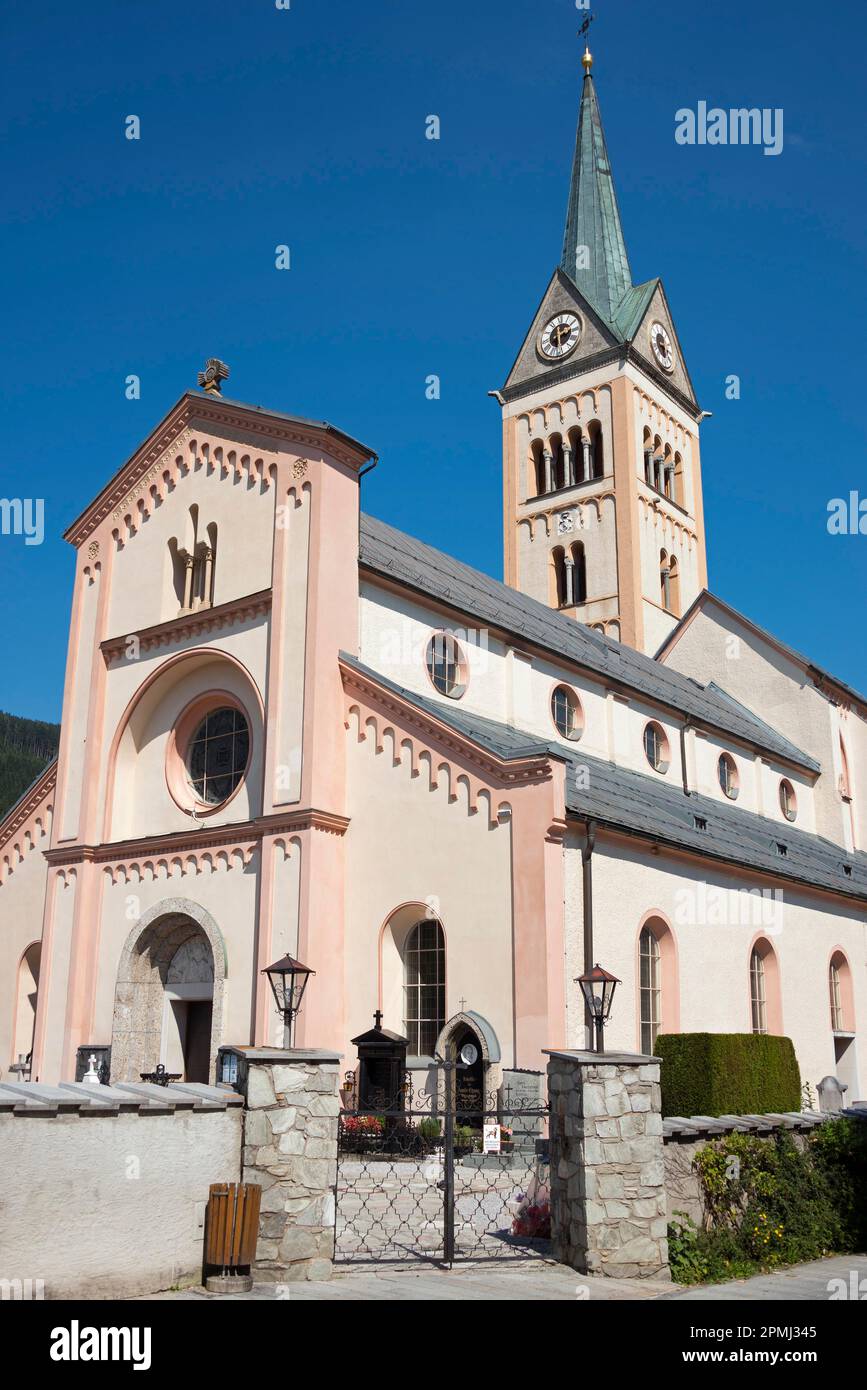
<point x="545" y="1281"/>
<point x="535" y="1280"/>
<point x="803" y="1283"/>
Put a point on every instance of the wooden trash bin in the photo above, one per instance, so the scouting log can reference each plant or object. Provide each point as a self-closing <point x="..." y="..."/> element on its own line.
<point x="231" y="1233"/>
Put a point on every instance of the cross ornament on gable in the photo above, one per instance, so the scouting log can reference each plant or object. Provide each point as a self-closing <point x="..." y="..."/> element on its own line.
<point x="463" y="1003"/>
<point x="377" y="1018"/>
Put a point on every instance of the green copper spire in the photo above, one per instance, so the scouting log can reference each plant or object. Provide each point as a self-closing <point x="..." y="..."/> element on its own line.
<point x="594" y="252"/>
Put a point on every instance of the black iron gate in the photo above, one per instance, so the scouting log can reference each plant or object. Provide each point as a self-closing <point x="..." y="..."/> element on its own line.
<point x="443" y="1174"/>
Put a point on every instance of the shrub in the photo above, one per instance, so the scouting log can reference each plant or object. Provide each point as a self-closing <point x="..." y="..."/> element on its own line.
<point x="771" y="1202"/>
<point x="728" y="1074"/>
<point x="429" y="1128"/>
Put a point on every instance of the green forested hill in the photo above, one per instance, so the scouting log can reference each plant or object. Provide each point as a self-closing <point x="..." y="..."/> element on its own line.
<point x="26" y="745"/>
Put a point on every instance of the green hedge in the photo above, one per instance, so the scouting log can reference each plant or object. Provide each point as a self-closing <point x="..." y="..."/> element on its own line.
<point x="727" y="1074"/>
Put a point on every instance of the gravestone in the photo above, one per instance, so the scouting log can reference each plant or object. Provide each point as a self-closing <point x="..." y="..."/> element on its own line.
<point x="831" y="1095"/>
<point x="521" y="1107"/>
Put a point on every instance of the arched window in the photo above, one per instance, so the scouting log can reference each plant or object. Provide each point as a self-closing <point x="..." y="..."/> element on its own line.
<point x="674" y="587"/>
<point x="537" y="468"/>
<point x="656" y="462"/>
<point x="649" y="989"/>
<point x="840" y="994"/>
<point x="679" y="491"/>
<point x="194" y="564"/>
<point x="424" y="989"/>
<point x="579" y="573"/>
<point x="758" y="996"/>
<point x="558" y="569"/>
<point x="846" y="788"/>
<point x="664" y="592"/>
<point x="446" y="665"/>
<point x="597" y="455"/>
<point x="558" y="462"/>
<point x="669" y="583"/>
<point x="658" y="985"/>
<point x="728" y="776"/>
<point x="647" y="446"/>
<point x="667" y="479"/>
<point x="836" y="993"/>
<point x="766" y="1015"/>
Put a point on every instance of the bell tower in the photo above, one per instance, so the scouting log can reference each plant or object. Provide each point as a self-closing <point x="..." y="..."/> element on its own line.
<point x="602" y="493"/>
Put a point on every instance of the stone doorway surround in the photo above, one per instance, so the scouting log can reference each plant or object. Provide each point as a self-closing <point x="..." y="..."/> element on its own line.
<point x="469" y="1020"/>
<point x="145" y="979"/>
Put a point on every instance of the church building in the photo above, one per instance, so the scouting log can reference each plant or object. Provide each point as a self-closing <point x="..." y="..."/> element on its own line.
<point x="289" y="728"/>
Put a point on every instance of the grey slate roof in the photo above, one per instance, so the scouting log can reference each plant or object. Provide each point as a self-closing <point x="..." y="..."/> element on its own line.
<point x="644" y="805"/>
<point x="395" y="555"/>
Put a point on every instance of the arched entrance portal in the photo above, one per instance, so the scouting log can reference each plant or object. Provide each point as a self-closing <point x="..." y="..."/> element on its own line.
<point x="25" y="1008"/>
<point x="470" y="1042"/>
<point x="168" y="1003"/>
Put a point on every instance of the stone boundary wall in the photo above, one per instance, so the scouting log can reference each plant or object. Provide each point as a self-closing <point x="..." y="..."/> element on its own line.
<point x="290" y="1150"/>
<point x="684" y="1138"/>
<point x="608" y="1204"/>
<point x="104" y="1188"/>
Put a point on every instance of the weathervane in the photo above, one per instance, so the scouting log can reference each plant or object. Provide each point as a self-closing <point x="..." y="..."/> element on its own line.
<point x="584" y="32"/>
<point x="215" y="372"/>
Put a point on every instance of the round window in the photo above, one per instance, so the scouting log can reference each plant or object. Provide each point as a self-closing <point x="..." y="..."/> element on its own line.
<point x="217" y="755"/>
<point x="728" y="776"/>
<point x="656" y="748"/>
<point x="566" y="713"/>
<point x="446" y="664"/>
<point x="788" y="800"/>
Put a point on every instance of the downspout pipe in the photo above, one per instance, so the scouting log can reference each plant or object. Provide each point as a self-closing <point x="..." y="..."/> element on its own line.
<point x="587" y="881"/>
<point x="684" y="729"/>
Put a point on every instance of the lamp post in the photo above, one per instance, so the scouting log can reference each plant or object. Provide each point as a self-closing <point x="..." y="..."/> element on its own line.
<point x="288" y="980"/>
<point x="598" y="988"/>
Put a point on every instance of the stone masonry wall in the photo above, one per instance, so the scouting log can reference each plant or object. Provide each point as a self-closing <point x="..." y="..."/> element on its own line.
<point x="608" y="1202"/>
<point x="290" y="1149"/>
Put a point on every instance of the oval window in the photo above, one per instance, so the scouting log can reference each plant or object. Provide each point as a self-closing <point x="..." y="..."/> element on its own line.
<point x="656" y="748"/>
<point x="217" y="755"/>
<point x="728" y="776"/>
<point x="446" y="665"/>
<point x="566" y="713"/>
<point x="788" y="800"/>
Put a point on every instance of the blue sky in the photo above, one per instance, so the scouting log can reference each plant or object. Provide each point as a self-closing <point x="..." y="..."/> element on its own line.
<point x="306" y="127"/>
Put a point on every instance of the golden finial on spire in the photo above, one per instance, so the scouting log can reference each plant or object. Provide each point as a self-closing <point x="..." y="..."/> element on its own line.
<point x="587" y="60"/>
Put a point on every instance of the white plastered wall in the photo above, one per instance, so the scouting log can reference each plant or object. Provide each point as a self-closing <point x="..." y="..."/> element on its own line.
<point x="717" y="647"/>
<point x="407" y="843"/>
<point x="630" y="882"/>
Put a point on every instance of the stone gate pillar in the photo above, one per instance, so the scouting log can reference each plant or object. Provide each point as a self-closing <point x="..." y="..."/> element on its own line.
<point x="608" y="1206"/>
<point x="290" y="1150"/>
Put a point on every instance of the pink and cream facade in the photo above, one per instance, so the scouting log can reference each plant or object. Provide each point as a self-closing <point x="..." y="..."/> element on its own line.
<point x="289" y="728"/>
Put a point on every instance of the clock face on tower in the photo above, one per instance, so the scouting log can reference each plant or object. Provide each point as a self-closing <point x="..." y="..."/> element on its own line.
<point x="560" y="336"/>
<point x="662" y="349"/>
